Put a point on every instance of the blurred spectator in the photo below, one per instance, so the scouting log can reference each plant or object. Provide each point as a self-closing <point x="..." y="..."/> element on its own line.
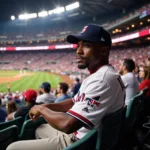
<point x="147" y="61"/>
<point x="29" y="98"/>
<point x="62" y="89"/>
<point x="11" y="107"/>
<point x="8" y="87"/>
<point x="76" y="86"/>
<point x="3" y="113"/>
<point x="145" y="75"/>
<point x="129" y="79"/>
<point x="136" y="72"/>
<point x="46" y="96"/>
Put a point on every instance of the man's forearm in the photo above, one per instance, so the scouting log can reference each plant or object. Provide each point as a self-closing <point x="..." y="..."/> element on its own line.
<point x="61" y="121"/>
<point x="63" y="106"/>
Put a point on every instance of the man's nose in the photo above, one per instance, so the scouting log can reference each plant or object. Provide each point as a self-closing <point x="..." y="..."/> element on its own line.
<point x="79" y="50"/>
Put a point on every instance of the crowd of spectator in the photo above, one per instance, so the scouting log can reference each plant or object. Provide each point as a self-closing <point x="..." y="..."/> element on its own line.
<point x="65" y="61"/>
<point x="15" y="104"/>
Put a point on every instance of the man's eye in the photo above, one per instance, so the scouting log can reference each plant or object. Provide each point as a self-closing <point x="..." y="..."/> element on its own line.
<point x="78" y="46"/>
<point x="86" y="45"/>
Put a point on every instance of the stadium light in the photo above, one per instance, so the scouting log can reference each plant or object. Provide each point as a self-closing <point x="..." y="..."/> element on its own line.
<point x="50" y="12"/>
<point x="27" y="16"/>
<point x="43" y="14"/>
<point x="141" y="23"/>
<point x="59" y="10"/>
<point x="117" y="30"/>
<point x="132" y="25"/>
<point x="72" y="6"/>
<point x="12" y="17"/>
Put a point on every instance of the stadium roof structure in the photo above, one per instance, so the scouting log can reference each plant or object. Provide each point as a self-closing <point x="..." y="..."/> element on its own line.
<point x="87" y="7"/>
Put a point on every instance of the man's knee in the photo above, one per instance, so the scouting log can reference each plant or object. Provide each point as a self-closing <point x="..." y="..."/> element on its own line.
<point x="13" y="146"/>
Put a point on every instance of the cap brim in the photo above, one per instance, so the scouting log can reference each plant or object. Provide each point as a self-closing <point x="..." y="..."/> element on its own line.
<point x="74" y="39"/>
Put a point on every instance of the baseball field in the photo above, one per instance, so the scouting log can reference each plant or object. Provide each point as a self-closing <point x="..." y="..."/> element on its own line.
<point x="22" y="80"/>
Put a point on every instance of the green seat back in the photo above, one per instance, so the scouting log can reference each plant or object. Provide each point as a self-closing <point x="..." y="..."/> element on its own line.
<point x="88" y="142"/>
<point x="17" y="121"/>
<point x="145" y="90"/>
<point x="7" y="136"/>
<point x="110" y="130"/>
<point x="29" y="127"/>
<point x="132" y="112"/>
<point x="26" y="117"/>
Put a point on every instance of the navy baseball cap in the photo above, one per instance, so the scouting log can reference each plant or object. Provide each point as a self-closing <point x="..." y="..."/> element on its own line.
<point x="91" y="33"/>
<point x="45" y="85"/>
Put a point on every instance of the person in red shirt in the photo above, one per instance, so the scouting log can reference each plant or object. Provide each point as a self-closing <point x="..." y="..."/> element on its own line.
<point x="145" y="76"/>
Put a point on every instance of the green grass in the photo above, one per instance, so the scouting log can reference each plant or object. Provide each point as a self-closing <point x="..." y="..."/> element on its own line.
<point x="8" y="73"/>
<point x="32" y="82"/>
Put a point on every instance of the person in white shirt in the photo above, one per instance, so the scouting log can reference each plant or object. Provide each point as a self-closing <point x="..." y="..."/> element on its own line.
<point x="46" y="97"/>
<point x="100" y="94"/>
<point x="129" y="79"/>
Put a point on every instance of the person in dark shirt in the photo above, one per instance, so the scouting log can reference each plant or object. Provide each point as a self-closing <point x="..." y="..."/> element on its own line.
<point x="29" y="97"/>
<point x="76" y="87"/>
<point x="3" y="113"/>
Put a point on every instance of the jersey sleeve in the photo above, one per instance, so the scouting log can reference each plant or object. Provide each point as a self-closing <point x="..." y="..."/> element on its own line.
<point x="92" y="104"/>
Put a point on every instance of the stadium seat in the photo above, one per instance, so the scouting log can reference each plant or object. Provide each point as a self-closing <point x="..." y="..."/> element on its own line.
<point x="110" y="130"/>
<point x="145" y="103"/>
<point x="26" y="117"/>
<point x="88" y="142"/>
<point x="131" y="117"/>
<point x="17" y="121"/>
<point x="7" y="136"/>
<point x="29" y="127"/>
<point x="132" y="111"/>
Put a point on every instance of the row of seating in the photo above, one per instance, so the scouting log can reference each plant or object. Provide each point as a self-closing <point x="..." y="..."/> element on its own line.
<point x="115" y="127"/>
<point x="18" y="131"/>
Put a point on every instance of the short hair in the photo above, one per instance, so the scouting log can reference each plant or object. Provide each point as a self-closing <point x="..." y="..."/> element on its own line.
<point x="146" y="70"/>
<point x="129" y="64"/>
<point x="64" y="87"/>
<point x="77" y="79"/>
<point x="47" y="90"/>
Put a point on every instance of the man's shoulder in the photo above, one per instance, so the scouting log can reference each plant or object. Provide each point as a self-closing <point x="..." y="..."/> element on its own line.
<point x="105" y="73"/>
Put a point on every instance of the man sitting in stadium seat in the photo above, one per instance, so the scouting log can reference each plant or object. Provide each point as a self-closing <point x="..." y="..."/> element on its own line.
<point x="76" y="86"/>
<point x="129" y="79"/>
<point x="62" y="90"/>
<point x="100" y="94"/>
<point x="46" y="96"/>
<point x="3" y="113"/>
<point x="29" y="97"/>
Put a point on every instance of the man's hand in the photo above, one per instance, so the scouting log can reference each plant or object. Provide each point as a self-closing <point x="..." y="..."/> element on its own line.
<point x="34" y="113"/>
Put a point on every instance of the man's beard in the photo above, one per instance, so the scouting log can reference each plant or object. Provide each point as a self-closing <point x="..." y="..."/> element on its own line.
<point x="82" y="66"/>
<point x="121" y="72"/>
